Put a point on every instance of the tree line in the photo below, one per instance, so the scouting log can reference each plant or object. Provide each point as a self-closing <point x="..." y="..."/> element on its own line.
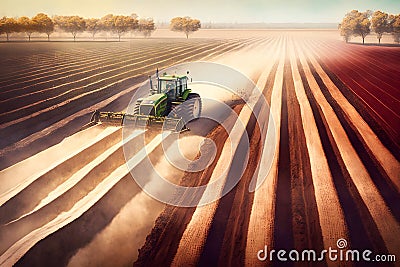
<point x="357" y="23"/>
<point x="42" y="23"/>
<point x="117" y="24"/>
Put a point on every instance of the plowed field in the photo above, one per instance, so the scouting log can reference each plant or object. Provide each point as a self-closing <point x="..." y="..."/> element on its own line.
<point x="67" y="197"/>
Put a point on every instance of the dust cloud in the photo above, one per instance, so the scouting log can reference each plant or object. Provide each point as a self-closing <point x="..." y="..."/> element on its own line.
<point x="118" y="243"/>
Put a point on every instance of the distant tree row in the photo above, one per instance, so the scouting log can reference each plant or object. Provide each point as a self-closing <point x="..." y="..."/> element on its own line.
<point x="357" y="23"/>
<point x="41" y="23"/>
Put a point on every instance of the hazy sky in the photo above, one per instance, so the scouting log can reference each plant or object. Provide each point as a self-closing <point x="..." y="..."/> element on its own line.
<point x="205" y="10"/>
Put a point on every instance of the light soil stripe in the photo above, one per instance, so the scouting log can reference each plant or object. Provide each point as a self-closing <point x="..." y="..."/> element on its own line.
<point x="16" y="251"/>
<point x="381" y="153"/>
<point x="22" y="184"/>
<point x="387" y="225"/>
<point x="195" y="234"/>
<point x="330" y="213"/>
<point x="261" y="224"/>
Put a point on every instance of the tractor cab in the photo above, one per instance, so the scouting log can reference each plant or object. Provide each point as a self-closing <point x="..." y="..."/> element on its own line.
<point x="172" y="85"/>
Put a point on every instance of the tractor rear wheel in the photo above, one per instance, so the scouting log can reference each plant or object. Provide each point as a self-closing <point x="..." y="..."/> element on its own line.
<point x="188" y="110"/>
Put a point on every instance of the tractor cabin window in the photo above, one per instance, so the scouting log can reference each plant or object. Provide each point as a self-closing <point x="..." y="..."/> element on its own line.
<point x="168" y="87"/>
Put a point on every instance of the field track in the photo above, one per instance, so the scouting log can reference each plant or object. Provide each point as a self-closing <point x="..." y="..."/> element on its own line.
<point x="67" y="197"/>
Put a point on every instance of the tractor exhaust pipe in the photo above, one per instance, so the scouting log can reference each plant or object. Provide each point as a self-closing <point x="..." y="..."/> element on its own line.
<point x="151" y="83"/>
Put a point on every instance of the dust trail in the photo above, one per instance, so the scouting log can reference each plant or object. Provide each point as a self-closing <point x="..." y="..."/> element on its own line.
<point x="118" y="243"/>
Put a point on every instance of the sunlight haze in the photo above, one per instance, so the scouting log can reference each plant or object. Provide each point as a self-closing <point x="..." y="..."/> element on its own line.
<point x="206" y="10"/>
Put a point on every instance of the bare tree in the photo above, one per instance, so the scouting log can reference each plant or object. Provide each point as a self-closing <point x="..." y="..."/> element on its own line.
<point x="27" y="25"/>
<point x="44" y="24"/>
<point x="185" y="24"/>
<point x="379" y="23"/>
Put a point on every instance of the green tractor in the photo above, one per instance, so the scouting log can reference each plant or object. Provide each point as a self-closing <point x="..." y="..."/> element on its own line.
<point x="171" y="103"/>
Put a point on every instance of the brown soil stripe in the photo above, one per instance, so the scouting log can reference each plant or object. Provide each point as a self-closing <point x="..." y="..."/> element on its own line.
<point x="388" y="190"/>
<point x="354" y="221"/>
<point x="262" y="211"/>
<point x="189" y="252"/>
<point x="213" y="247"/>
<point x="283" y="230"/>
<point x="232" y="250"/>
<point x="353" y="218"/>
<point x="307" y="232"/>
